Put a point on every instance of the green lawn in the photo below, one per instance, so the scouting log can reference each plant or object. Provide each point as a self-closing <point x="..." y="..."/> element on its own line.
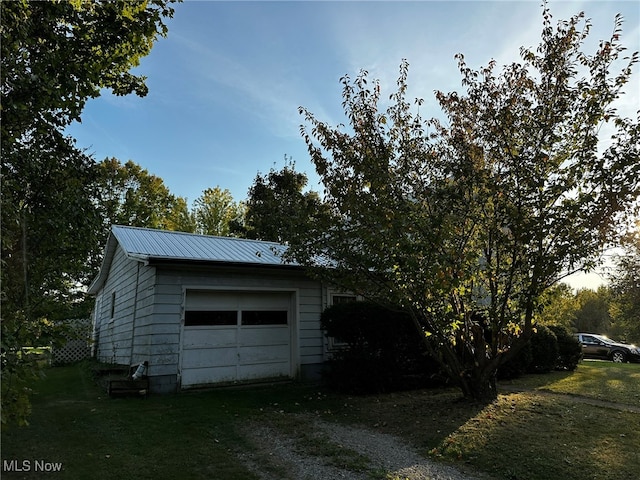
<point x="161" y="437"/>
<point x="526" y="435"/>
<point x="618" y="382"/>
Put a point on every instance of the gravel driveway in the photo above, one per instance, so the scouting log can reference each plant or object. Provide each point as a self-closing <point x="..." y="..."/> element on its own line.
<point x="347" y="452"/>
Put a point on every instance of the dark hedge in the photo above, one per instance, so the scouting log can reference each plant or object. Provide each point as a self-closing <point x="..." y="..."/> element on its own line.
<point x="383" y="351"/>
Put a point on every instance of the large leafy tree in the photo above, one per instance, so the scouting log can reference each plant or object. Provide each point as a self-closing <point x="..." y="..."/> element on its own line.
<point x="58" y="54"/>
<point x="216" y="213"/>
<point x="129" y="195"/>
<point x="49" y="233"/>
<point x="558" y="306"/>
<point x="278" y="205"/>
<point x="465" y="222"/>
<point x="55" y="56"/>
<point x="592" y="311"/>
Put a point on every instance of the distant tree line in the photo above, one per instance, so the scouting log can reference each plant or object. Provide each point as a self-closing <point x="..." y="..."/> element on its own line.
<point x="127" y="194"/>
<point x="612" y="310"/>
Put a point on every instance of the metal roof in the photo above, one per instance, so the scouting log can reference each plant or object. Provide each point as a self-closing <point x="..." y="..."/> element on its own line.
<point x="148" y="245"/>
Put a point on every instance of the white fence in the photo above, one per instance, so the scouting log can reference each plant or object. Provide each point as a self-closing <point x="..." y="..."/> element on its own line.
<point x="77" y="346"/>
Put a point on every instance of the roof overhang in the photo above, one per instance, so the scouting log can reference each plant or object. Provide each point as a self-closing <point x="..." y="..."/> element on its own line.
<point x="216" y="263"/>
<point x="109" y="252"/>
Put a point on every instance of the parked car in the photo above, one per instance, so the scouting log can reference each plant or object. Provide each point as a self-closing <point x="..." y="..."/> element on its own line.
<point x="599" y="346"/>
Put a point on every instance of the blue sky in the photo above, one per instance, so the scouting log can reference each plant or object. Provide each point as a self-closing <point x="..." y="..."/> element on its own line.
<point x="226" y="84"/>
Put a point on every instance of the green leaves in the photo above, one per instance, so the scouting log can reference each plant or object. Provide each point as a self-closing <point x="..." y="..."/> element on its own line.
<point x="129" y="195"/>
<point x="625" y="280"/>
<point x="216" y="213"/>
<point x="278" y="207"/>
<point x="56" y="55"/>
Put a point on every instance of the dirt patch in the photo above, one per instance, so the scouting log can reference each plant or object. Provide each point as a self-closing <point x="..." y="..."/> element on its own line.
<point x="305" y="447"/>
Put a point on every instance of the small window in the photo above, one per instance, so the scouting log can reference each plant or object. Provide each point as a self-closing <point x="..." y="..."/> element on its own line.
<point x="113" y="305"/>
<point x="335" y="299"/>
<point x="264" y="317"/>
<point x="196" y="318"/>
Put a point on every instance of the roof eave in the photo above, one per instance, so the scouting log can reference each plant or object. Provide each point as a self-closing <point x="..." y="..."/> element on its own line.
<point x="218" y="263"/>
<point x="103" y="273"/>
<point x="101" y="277"/>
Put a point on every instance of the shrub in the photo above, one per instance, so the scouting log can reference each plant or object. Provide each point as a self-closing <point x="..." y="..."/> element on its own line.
<point x="544" y="347"/>
<point x="518" y="365"/>
<point x="384" y="351"/>
<point x="569" y="349"/>
<point x="550" y="347"/>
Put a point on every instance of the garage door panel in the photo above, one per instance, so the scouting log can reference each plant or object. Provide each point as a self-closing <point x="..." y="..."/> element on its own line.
<point x="263" y="336"/>
<point x="203" y="299"/>
<point x="206" y="376"/>
<point x="265" y="370"/>
<point x="210" y="357"/>
<point x="265" y="300"/>
<point x="264" y="354"/>
<point x="209" y="337"/>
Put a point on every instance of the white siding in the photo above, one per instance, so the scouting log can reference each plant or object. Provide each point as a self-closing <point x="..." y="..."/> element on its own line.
<point x="115" y="334"/>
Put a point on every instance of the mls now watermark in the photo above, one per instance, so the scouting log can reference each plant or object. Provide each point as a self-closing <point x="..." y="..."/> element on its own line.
<point x="30" y="466"/>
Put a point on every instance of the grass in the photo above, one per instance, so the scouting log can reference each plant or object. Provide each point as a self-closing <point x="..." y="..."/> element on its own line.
<point x="525" y="435"/>
<point x="594" y="379"/>
<point x="96" y="437"/>
<point x="541" y="438"/>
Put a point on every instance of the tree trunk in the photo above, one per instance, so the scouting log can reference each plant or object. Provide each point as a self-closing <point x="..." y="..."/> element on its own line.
<point x="477" y="379"/>
<point x="480" y="385"/>
<point x="469" y="368"/>
<point x="25" y="259"/>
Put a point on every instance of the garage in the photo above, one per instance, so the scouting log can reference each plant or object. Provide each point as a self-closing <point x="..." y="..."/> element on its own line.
<point x="204" y="310"/>
<point x="235" y="336"/>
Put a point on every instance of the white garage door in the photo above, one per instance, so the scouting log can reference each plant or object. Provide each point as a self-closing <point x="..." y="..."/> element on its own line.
<point x="232" y="336"/>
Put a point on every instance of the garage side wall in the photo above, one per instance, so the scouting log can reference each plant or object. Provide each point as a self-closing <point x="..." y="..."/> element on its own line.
<point x="117" y="309"/>
<point x="142" y="327"/>
<point x="171" y="284"/>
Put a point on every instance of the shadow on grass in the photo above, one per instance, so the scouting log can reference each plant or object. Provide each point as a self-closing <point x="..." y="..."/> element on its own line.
<point x="526" y="435"/>
<point x="607" y="381"/>
<point x="537" y="437"/>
